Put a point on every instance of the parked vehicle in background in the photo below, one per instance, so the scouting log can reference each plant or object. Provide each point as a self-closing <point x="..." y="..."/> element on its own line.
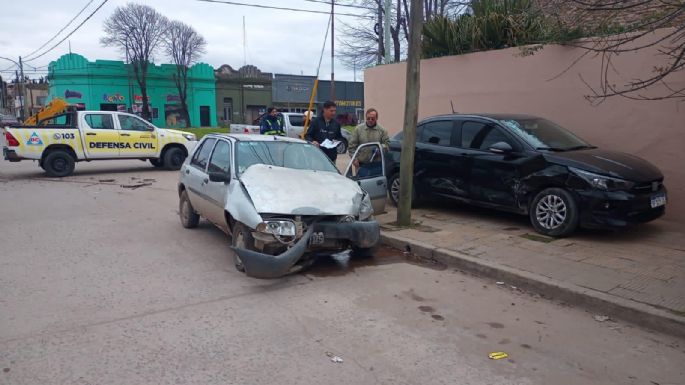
<point x="294" y="126"/>
<point x="281" y="200"/>
<point x="62" y="140"/>
<point x="6" y="120"/>
<point x="531" y="166"/>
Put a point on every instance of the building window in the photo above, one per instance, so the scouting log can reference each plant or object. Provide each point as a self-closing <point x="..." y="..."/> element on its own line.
<point x="228" y="109"/>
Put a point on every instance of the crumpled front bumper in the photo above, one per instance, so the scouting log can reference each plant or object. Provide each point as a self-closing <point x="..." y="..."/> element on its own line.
<point x="259" y="265"/>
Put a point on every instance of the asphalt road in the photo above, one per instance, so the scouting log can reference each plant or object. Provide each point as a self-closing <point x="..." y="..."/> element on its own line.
<point x="100" y="284"/>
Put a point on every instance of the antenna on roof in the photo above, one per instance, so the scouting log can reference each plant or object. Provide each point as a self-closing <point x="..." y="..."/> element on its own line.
<point x="452" y="104"/>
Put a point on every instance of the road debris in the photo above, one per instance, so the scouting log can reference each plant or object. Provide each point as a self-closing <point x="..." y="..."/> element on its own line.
<point x="334" y="358"/>
<point x="601" y="318"/>
<point x="497" y="355"/>
<point x="106" y="180"/>
<point x="500" y="283"/>
<point x="135" y="186"/>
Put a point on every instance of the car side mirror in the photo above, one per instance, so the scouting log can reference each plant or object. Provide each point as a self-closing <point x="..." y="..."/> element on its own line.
<point x="501" y="148"/>
<point x="219" y="177"/>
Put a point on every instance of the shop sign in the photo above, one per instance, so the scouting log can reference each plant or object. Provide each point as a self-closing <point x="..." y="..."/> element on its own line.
<point x="348" y="103"/>
<point x="68" y="94"/>
<point x="113" y="98"/>
<point x="171" y="98"/>
<point x="139" y="98"/>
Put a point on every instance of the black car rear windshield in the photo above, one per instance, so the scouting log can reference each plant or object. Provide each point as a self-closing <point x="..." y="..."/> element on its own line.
<point x="544" y="135"/>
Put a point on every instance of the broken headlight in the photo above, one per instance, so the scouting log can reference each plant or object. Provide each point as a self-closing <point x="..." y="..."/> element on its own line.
<point x="602" y="182"/>
<point x="278" y="228"/>
<point x="365" y="208"/>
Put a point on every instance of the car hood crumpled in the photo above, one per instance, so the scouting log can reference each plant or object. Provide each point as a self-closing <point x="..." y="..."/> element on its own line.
<point x="279" y="190"/>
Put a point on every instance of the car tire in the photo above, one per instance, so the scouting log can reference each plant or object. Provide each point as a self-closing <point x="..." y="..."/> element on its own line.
<point x="58" y="163"/>
<point x="189" y="218"/>
<point x="173" y="158"/>
<point x="342" y="147"/>
<point x="394" y="190"/>
<point x="554" y="212"/>
<point x="241" y="238"/>
<point x="157" y="162"/>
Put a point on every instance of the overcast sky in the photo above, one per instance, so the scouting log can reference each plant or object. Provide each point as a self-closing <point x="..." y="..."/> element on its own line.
<point x="277" y="41"/>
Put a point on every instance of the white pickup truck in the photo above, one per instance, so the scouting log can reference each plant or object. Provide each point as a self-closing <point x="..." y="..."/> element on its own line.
<point x="60" y="141"/>
<point x="294" y="126"/>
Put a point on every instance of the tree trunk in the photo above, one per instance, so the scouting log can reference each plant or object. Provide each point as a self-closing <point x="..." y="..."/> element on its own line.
<point x="411" y="112"/>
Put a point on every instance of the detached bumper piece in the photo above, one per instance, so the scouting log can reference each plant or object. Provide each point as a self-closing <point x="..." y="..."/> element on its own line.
<point x="259" y="265"/>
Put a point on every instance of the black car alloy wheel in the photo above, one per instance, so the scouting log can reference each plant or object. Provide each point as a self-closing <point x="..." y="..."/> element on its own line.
<point x="554" y="212"/>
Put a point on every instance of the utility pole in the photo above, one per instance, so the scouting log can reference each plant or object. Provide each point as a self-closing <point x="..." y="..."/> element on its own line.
<point x="24" y="113"/>
<point x="332" y="50"/>
<point x="411" y="111"/>
<point x="386" y="31"/>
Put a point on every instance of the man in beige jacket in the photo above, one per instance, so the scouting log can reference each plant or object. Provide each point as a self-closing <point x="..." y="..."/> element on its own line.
<point x="369" y="161"/>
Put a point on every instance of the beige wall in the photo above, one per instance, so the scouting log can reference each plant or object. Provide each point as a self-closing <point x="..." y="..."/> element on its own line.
<point x="504" y="81"/>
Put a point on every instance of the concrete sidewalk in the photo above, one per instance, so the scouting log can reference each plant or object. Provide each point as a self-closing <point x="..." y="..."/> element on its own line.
<point x="637" y="275"/>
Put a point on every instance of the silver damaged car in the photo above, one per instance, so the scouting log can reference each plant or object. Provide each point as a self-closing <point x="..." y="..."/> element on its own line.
<point x="281" y="200"/>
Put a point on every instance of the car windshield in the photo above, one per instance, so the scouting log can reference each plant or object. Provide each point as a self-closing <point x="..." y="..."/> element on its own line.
<point x="545" y="135"/>
<point x="302" y="156"/>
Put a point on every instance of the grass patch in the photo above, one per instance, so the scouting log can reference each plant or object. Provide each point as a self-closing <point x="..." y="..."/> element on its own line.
<point x="200" y="132"/>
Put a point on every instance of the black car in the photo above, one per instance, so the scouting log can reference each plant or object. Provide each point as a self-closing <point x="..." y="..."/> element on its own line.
<point x="531" y="166"/>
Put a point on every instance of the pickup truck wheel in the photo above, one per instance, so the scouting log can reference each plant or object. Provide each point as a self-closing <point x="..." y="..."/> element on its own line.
<point x="157" y="163"/>
<point x="173" y="158"/>
<point x="342" y="147"/>
<point x="58" y="163"/>
<point x="189" y="218"/>
<point x="242" y="239"/>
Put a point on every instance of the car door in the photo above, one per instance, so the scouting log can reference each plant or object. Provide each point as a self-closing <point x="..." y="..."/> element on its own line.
<point x="215" y="192"/>
<point x="440" y="165"/>
<point x="493" y="176"/>
<point x="101" y="138"/>
<point x="373" y="180"/>
<point x="196" y="177"/>
<point x="138" y="138"/>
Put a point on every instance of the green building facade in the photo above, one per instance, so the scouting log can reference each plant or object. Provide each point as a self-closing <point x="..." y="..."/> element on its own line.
<point x="110" y="85"/>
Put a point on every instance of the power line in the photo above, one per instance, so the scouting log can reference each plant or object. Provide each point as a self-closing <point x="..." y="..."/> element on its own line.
<point x="342" y="5"/>
<point x="60" y="31"/>
<point x="286" y="8"/>
<point x="72" y="32"/>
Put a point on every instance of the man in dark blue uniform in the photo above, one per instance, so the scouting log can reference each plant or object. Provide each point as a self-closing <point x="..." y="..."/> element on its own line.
<point x="272" y="123"/>
<point x="325" y="127"/>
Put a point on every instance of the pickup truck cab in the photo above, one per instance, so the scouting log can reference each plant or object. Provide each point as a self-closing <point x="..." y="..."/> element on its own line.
<point x="294" y="127"/>
<point x="62" y="140"/>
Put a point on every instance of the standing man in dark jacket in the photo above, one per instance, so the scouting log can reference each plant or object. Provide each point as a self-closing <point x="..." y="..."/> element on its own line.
<point x="325" y="127"/>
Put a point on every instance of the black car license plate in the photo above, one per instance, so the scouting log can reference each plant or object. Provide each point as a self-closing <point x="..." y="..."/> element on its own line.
<point x="658" y="200"/>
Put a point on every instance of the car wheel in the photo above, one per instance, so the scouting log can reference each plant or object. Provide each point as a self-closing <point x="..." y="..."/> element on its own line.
<point x="242" y="239"/>
<point x="157" y="162"/>
<point x="394" y="190"/>
<point x="189" y="218"/>
<point x="342" y="147"/>
<point x="173" y="158"/>
<point x="58" y="163"/>
<point x="554" y="212"/>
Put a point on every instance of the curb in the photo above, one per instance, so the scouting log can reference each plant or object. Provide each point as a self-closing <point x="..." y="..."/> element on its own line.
<point x="618" y="308"/>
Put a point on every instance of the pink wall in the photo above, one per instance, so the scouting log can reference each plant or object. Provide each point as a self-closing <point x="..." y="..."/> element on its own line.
<point x="505" y="81"/>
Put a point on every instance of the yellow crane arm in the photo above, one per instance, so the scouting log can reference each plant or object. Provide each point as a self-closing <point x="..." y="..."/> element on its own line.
<point x="55" y="107"/>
